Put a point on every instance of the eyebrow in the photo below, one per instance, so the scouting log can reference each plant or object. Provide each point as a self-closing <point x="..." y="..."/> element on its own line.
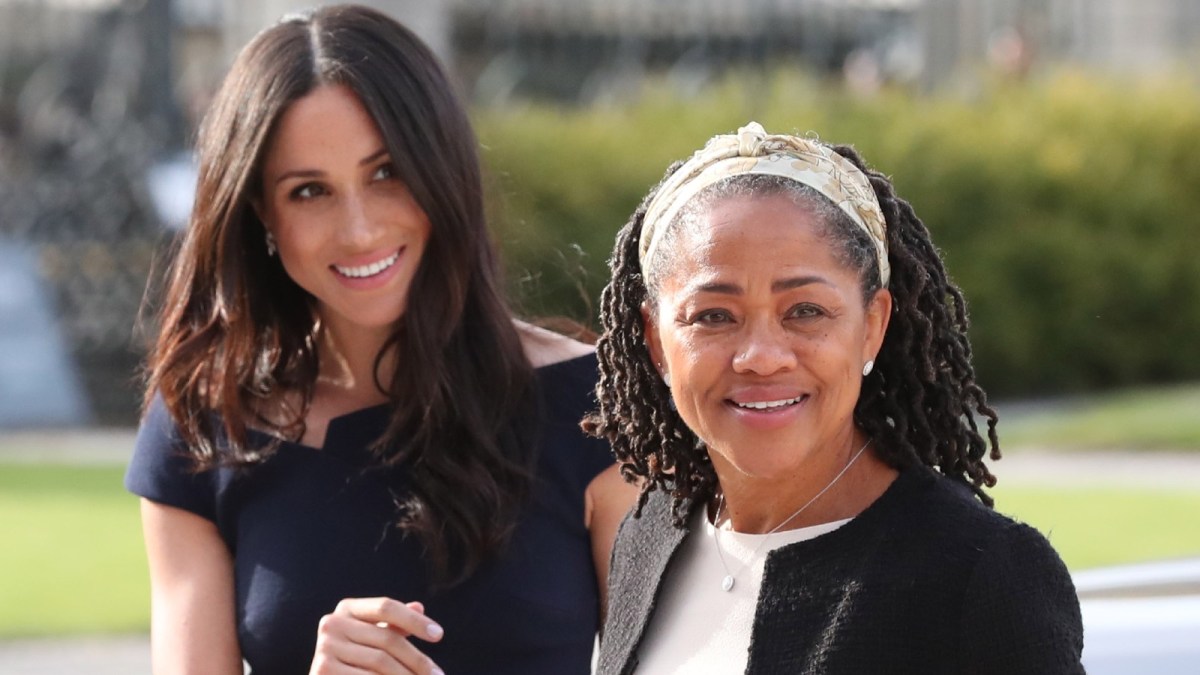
<point x="778" y="286"/>
<point x="314" y="173"/>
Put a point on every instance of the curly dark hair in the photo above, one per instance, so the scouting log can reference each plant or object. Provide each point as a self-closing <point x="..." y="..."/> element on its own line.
<point x="919" y="405"/>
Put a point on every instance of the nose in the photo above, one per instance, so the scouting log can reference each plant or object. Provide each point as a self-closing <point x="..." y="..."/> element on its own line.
<point x="359" y="228"/>
<point x="765" y="350"/>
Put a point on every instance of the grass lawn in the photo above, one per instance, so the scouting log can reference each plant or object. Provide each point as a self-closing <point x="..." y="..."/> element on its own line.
<point x="1163" y="418"/>
<point x="1095" y="526"/>
<point x="70" y="551"/>
<point x="72" y="556"/>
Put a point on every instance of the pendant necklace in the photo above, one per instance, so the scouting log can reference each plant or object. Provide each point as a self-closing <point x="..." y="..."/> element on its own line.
<point x="728" y="581"/>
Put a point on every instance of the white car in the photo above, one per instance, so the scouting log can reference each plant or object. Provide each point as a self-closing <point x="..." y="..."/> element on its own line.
<point x="1141" y="619"/>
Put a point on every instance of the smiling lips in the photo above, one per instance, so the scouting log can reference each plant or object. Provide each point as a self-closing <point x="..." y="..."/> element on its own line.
<point x="769" y="405"/>
<point x="367" y="271"/>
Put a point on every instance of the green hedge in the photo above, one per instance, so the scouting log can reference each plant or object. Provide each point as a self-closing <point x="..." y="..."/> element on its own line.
<point x="1067" y="209"/>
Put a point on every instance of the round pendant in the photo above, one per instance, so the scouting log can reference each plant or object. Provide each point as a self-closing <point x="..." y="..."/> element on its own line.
<point x="727" y="583"/>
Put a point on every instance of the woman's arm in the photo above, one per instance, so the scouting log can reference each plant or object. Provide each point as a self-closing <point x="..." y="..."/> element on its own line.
<point x="191" y="594"/>
<point x="607" y="499"/>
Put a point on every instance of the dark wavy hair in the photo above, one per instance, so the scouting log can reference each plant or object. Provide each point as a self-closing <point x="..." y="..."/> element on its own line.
<point x="236" y="332"/>
<point x="919" y="404"/>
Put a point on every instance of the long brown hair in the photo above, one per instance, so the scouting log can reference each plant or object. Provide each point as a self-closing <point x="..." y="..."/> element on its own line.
<point x="235" y="331"/>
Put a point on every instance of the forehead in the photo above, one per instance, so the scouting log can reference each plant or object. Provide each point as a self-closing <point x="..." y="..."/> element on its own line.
<point x="327" y="123"/>
<point x="752" y="233"/>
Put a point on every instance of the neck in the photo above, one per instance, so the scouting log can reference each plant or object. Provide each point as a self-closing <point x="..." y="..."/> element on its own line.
<point x="759" y="505"/>
<point x="347" y="363"/>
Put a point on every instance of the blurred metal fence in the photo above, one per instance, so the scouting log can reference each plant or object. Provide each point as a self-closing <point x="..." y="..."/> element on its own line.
<point x="589" y="51"/>
<point x="586" y="51"/>
<point x="86" y="114"/>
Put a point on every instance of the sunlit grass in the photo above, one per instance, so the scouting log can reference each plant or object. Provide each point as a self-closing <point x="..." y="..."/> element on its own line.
<point x="1165" y="418"/>
<point x="1096" y="526"/>
<point x="71" y="558"/>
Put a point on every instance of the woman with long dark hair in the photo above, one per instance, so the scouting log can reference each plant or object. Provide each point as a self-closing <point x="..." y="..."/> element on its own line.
<point x="348" y="443"/>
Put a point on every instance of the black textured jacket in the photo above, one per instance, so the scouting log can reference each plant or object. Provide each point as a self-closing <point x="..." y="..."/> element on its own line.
<point x="926" y="580"/>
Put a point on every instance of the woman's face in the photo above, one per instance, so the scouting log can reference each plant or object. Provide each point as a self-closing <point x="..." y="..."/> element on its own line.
<point x="347" y="229"/>
<point x="764" y="334"/>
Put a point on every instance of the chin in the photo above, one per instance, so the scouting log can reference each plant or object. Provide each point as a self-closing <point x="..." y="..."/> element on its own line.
<point x="763" y="465"/>
<point x="373" y="321"/>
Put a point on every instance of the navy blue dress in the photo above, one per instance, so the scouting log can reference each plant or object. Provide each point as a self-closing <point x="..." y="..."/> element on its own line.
<point x="309" y="527"/>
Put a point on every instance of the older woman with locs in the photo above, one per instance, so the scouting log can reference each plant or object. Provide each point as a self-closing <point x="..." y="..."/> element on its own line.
<point x="352" y="458"/>
<point x="785" y="368"/>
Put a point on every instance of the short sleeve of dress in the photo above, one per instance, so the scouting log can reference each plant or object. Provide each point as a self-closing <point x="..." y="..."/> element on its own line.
<point x="1021" y="612"/>
<point x="161" y="471"/>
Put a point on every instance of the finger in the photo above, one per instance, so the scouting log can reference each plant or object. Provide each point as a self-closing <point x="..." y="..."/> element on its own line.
<point x="381" y="662"/>
<point x="360" y="644"/>
<point x="360" y="658"/>
<point x="397" y="615"/>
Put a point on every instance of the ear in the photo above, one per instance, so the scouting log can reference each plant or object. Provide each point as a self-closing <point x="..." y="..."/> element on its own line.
<point x="653" y="340"/>
<point x="878" y="314"/>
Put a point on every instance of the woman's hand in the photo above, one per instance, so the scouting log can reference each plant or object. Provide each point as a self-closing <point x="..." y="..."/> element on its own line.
<point x="372" y="635"/>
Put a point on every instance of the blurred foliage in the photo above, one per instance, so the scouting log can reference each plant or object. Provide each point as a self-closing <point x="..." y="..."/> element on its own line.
<point x="1066" y="208"/>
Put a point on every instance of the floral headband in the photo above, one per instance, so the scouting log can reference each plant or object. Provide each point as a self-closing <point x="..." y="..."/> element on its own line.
<point x="753" y="151"/>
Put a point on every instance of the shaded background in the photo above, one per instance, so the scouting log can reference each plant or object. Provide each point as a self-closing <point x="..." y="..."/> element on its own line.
<point x="1049" y="145"/>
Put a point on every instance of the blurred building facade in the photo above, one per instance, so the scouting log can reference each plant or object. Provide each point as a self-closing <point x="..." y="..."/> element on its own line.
<point x="98" y="97"/>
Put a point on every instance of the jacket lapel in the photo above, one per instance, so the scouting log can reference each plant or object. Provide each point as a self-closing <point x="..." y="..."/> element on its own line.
<point x="641" y="554"/>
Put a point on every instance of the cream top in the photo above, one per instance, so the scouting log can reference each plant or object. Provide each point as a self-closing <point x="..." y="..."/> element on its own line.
<point x="697" y="627"/>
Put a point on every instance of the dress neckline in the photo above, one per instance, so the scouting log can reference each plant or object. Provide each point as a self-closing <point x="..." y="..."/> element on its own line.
<point x="347" y="428"/>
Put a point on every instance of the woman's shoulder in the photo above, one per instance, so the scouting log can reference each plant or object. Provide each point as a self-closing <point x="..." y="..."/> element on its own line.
<point x="157" y="427"/>
<point x="545" y="347"/>
<point x="162" y="470"/>
<point x="948" y="512"/>
<point x="947" y="515"/>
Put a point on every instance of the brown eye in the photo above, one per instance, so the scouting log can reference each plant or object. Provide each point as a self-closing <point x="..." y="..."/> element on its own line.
<point x="306" y="191"/>
<point x="712" y="317"/>
<point x="384" y="171"/>
<point x="805" y="311"/>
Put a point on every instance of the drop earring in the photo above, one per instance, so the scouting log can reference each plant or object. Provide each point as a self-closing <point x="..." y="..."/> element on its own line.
<point x="272" y="249"/>
<point x="868" y="367"/>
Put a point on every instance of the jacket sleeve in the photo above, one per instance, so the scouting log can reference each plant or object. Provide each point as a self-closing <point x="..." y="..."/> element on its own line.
<point x="1021" y="613"/>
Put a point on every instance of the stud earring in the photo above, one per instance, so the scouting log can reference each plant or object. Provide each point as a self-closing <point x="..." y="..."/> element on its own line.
<point x="667" y="379"/>
<point x="868" y="367"/>
<point x="272" y="249"/>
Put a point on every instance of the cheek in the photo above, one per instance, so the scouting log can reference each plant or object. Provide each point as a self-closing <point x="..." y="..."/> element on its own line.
<point x="676" y="347"/>
<point x="696" y="365"/>
<point x="288" y="228"/>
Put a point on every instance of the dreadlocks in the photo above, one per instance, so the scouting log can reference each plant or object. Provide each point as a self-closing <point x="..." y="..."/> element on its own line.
<point x="919" y="404"/>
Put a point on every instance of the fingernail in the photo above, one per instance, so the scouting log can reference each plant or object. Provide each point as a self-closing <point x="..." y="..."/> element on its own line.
<point x="437" y="671"/>
<point x="434" y="631"/>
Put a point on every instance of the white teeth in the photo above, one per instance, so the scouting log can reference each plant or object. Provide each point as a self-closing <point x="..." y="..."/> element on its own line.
<point x="368" y="270"/>
<point x="767" y="405"/>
